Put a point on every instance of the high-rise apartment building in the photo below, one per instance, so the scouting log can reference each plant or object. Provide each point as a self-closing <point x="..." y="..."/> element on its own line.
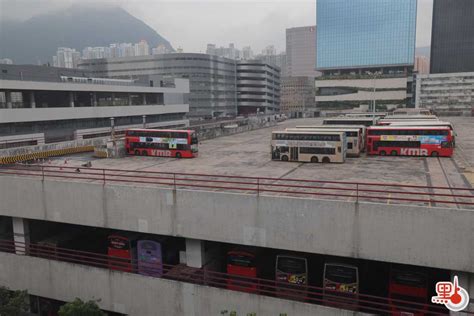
<point x="66" y="58"/>
<point x="247" y="53"/>
<point x="269" y="50"/>
<point x="452" y="37"/>
<point x="142" y="48"/>
<point x="366" y="50"/>
<point x="301" y="51"/>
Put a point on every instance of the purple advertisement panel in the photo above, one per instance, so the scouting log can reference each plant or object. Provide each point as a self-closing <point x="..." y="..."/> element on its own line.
<point x="150" y="260"/>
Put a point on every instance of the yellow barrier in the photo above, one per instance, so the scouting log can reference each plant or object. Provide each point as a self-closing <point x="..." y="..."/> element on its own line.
<point x="45" y="154"/>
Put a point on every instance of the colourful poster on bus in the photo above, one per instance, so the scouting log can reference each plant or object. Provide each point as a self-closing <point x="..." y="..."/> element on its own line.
<point x="150" y="260"/>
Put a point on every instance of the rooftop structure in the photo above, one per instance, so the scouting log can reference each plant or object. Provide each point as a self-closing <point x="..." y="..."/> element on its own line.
<point x="58" y="102"/>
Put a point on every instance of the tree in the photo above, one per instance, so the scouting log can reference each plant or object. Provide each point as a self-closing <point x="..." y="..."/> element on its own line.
<point x="13" y="303"/>
<point x="80" y="308"/>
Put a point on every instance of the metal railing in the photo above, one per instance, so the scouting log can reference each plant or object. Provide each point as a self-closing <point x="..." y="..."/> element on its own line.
<point x="349" y="191"/>
<point x="204" y="276"/>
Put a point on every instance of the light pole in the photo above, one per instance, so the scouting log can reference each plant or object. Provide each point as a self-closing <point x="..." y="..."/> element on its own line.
<point x="374" y="74"/>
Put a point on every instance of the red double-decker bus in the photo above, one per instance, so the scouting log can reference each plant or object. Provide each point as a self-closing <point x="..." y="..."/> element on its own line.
<point x="410" y="141"/>
<point x="408" y="286"/>
<point x="242" y="266"/>
<point x="121" y="252"/>
<point x="161" y="143"/>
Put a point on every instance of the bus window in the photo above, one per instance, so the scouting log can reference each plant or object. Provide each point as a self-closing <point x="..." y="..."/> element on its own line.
<point x="409" y="286"/>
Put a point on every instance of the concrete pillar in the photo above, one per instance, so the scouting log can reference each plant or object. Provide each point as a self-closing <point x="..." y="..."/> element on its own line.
<point x="144" y="121"/>
<point x="130" y="99"/>
<point x="8" y="99"/>
<point x="94" y="98"/>
<point x="195" y="255"/>
<point x="71" y="99"/>
<point x="32" y="100"/>
<point x="466" y="281"/>
<point x="144" y="98"/>
<point x="21" y="235"/>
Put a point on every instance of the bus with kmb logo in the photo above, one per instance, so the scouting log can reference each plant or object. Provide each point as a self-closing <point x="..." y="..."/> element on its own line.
<point x="410" y="141"/>
<point x="161" y="143"/>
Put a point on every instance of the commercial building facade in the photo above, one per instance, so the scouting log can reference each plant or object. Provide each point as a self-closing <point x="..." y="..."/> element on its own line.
<point x="452" y="37"/>
<point x="212" y="79"/>
<point x="301" y="51"/>
<point x="258" y="87"/>
<point x="362" y="46"/>
<point x="62" y="103"/>
<point x="297" y="95"/>
<point x="448" y="94"/>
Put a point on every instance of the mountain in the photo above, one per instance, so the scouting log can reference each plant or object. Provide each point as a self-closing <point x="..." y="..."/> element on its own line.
<point x="37" y="39"/>
<point x="423" y="51"/>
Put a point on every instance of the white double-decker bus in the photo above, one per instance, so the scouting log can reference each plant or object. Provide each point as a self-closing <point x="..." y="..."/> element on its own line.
<point x="354" y="135"/>
<point x="309" y="146"/>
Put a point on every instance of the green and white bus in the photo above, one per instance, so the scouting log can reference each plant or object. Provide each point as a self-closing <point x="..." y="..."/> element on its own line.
<point x="309" y="146"/>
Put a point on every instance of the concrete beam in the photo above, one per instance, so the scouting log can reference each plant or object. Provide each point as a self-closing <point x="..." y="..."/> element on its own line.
<point x="392" y="233"/>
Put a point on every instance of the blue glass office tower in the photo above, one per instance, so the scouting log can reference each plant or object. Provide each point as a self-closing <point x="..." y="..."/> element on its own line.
<point x="365" y="33"/>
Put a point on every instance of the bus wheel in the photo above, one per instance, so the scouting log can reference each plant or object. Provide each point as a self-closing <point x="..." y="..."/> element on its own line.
<point x="284" y="158"/>
<point x="144" y="153"/>
<point x="326" y="160"/>
<point x="434" y="154"/>
<point x="393" y="153"/>
<point x="178" y="155"/>
<point x="314" y="159"/>
<point x="382" y="153"/>
<point x="137" y="152"/>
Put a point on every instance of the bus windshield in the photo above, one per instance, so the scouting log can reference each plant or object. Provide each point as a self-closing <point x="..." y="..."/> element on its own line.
<point x="241" y="260"/>
<point x="408" y="278"/>
<point x="341" y="274"/>
<point x="291" y="265"/>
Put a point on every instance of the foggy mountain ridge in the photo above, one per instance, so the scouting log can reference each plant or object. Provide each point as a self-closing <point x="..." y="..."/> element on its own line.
<point x="37" y="39"/>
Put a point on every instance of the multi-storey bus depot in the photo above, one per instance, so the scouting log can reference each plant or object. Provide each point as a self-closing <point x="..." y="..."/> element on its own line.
<point x="237" y="229"/>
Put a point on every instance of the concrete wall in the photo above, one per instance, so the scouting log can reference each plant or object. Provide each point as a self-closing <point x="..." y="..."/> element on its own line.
<point x="71" y="113"/>
<point x="138" y="295"/>
<point x="54" y="146"/>
<point x="434" y="237"/>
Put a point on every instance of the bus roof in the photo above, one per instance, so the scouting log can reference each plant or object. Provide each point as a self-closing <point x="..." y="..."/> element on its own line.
<point x="410" y="117"/>
<point x="297" y="131"/>
<point x="362" y="119"/>
<point x="420" y="123"/>
<point x="159" y="130"/>
<point x="331" y="127"/>
<point x="317" y="128"/>
<point x="391" y="127"/>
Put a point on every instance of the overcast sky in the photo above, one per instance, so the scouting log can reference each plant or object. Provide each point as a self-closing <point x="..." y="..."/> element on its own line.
<point x="191" y="24"/>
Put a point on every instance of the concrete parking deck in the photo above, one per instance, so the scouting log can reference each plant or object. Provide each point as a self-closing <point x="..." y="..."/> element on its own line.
<point x="248" y="154"/>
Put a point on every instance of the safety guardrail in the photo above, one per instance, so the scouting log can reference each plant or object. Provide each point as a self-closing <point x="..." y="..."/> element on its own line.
<point x="348" y="191"/>
<point x="259" y="286"/>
